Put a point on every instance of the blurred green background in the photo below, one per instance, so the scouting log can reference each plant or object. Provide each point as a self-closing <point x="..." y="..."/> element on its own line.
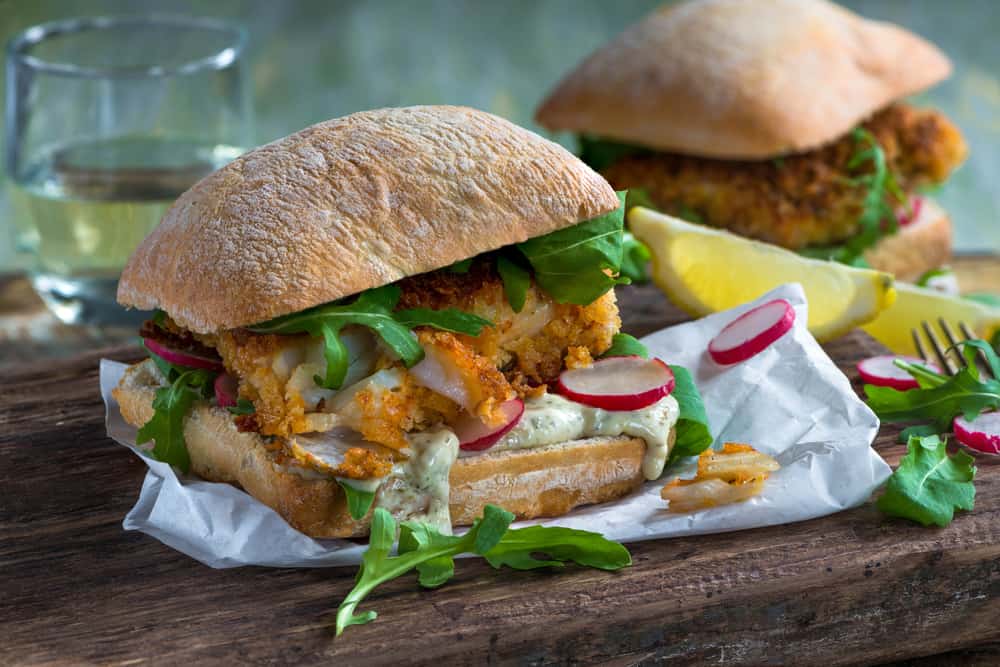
<point x="314" y="60"/>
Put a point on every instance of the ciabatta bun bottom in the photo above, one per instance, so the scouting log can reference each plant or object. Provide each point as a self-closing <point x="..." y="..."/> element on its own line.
<point x="546" y="481"/>
<point x="915" y="249"/>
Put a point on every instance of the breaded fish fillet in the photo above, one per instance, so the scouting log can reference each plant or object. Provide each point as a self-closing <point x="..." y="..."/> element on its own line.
<point x="797" y="200"/>
<point x="519" y="355"/>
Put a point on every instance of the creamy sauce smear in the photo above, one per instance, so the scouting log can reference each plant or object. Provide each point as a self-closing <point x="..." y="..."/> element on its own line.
<point x="418" y="488"/>
<point x="550" y="418"/>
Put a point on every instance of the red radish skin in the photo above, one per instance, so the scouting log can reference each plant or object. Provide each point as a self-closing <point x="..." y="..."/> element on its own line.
<point x="226" y="389"/>
<point x="907" y="217"/>
<point x="882" y="372"/>
<point x="475" y="436"/>
<point x="981" y="434"/>
<point x="182" y="358"/>
<point x="752" y="332"/>
<point x="618" y="383"/>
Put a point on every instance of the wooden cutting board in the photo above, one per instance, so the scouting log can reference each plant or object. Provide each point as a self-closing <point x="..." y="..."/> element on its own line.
<point x="849" y="588"/>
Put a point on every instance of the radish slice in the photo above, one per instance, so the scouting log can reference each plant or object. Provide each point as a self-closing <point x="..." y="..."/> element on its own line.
<point x="182" y="358"/>
<point x="752" y="332"/>
<point x="226" y="389"/>
<point x="882" y="372"/>
<point x="474" y="435"/>
<point x="981" y="434"/>
<point x="618" y="383"/>
<point x="906" y="217"/>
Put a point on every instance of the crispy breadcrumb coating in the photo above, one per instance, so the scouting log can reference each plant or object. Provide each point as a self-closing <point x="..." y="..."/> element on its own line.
<point x="528" y="346"/>
<point x="797" y="200"/>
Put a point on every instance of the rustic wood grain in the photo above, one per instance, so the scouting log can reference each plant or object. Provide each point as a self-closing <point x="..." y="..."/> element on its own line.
<point x="850" y="588"/>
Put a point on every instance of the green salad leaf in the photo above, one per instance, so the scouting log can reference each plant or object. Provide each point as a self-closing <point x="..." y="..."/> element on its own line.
<point x="919" y="431"/>
<point x="573" y="264"/>
<point x="425" y="549"/>
<point x="693" y="436"/>
<point x="446" y="319"/>
<point x="878" y="215"/>
<point x="623" y="345"/>
<point x="170" y="406"/>
<point x="929" y="485"/>
<point x="927" y="276"/>
<point x="635" y="259"/>
<point x="243" y="406"/>
<point x="639" y="197"/>
<point x="516" y="281"/>
<point x="986" y="298"/>
<point x="940" y="398"/>
<point x="460" y="267"/>
<point x="359" y="501"/>
<point x="600" y="153"/>
<point x="373" y="309"/>
<point x="552" y="546"/>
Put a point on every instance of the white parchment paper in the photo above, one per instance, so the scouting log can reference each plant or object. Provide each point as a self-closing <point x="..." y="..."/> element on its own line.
<point x="790" y="401"/>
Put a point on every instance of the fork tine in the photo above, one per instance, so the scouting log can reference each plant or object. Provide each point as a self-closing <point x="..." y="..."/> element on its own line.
<point x="952" y="342"/>
<point x="946" y="364"/>
<point x="921" y="350"/>
<point x="984" y="361"/>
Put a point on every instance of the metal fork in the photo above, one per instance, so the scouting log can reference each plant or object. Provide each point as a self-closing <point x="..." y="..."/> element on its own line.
<point x="949" y="357"/>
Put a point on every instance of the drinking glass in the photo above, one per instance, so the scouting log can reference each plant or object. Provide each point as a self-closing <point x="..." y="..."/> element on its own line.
<point x="108" y="120"/>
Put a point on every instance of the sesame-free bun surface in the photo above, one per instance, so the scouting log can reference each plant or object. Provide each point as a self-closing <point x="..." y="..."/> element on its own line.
<point x="350" y="204"/>
<point x="540" y="482"/>
<point x="742" y="79"/>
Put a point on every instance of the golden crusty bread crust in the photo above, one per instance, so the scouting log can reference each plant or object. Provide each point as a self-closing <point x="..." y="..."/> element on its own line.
<point x="350" y="204"/>
<point x="742" y="79"/>
<point x="922" y="245"/>
<point x="548" y="481"/>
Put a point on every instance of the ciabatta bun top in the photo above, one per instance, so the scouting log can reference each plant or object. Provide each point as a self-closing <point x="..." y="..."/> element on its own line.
<point x="350" y="204"/>
<point x="742" y="79"/>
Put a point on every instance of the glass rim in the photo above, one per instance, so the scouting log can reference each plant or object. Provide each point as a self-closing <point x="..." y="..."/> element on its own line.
<point x="18" y="46"/>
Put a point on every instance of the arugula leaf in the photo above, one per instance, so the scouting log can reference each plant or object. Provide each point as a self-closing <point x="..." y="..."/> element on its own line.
<point x="423" y="548"/>
<point x="243" y="407"/>
<point x="639" y="197"/>
<point x="601" y="153"/>
<point x="940" y="398"/>
<point x="381" y="535"/>
<point x="359" y="501"/>
<point x="930" y="275"/>
<point x="878" y="217"/>
<point x="693" y="436"/>
<point x="543" y="546"/>
<point x="635" y="258"/>
<point x="446" y="319"/>
<point x="516" y="281"/>
<point x="573" y="264"/>
<point x="461" y="267"/>
<point x="170" y="406"/>
<point x="373" y="309"/>
<point x="918" y="431"/>
<point x="623" y="345"/>
<point x="928" y="485"/>
<point x="987" y="298"/>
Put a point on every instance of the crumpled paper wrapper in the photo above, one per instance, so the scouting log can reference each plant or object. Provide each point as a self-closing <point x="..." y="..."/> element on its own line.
<point x="790" y="401"/>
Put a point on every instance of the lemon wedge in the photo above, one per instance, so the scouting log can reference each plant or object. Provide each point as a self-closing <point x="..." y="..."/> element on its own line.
<point x="705" y="270"/>
<point x="915" y="304"/>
